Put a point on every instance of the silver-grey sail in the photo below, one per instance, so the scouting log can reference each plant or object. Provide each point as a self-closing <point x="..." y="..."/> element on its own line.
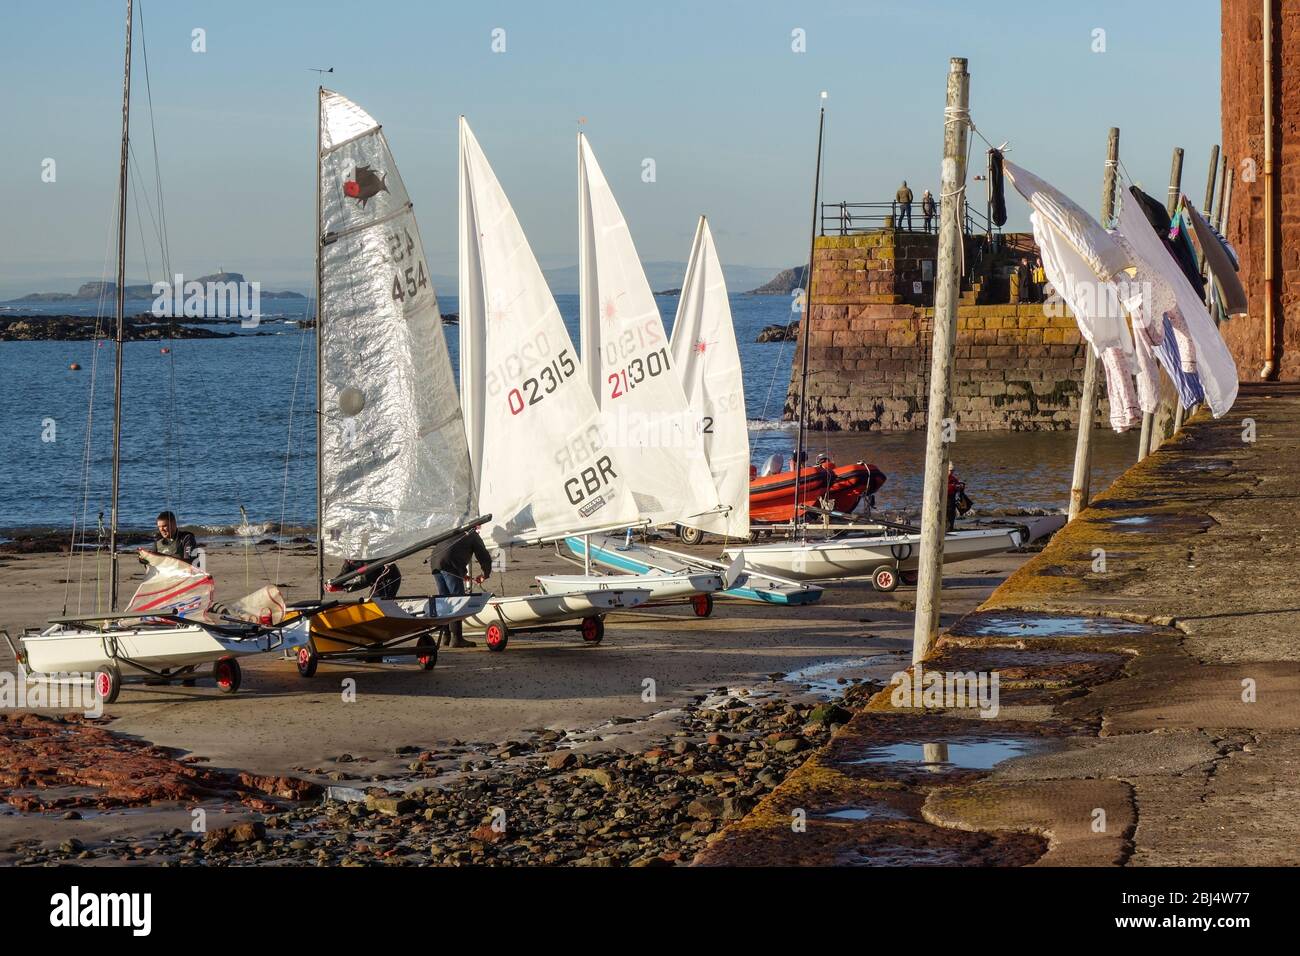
<point x="394" y="463"/>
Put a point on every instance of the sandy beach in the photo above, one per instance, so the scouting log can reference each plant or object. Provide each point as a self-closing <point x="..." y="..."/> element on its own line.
<point x="544" y="693"/>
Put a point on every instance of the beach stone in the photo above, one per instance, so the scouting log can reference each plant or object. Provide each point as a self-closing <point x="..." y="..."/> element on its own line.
<point x="561" y="759"/>
<point x="705" y="808"/>
<point x="598" y="775"/>
<point x="788" y="745"/>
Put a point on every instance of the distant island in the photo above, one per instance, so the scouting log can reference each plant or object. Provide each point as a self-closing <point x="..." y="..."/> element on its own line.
<point x="76" y="328"/>
<point x="785" y="282"/>
<point x="670" y="292"/>
<point x="92" y="291"/>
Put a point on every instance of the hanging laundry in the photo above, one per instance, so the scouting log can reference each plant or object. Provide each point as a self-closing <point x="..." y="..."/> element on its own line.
<point x="1099" y="314"/>
<point x="1092" y="243"/>
<point x="1198" y="348"/>
<point x="1156" y="214"/>
<point x="1220" y="261"/>
<point x="997" y="189"/>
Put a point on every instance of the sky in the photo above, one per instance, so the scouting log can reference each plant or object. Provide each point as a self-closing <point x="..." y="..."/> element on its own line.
<point x="715" y="93"/>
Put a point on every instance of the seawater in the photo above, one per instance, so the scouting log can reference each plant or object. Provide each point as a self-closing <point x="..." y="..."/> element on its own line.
<point x="207" y="427"/>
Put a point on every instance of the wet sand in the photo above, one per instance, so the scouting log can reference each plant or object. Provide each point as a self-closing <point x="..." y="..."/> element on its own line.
<point x="281" y="723"/>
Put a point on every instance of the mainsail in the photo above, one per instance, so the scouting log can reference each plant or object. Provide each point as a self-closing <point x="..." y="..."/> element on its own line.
<point x="708" y="363"/>
<point x="394" y="463"/>
<point x="540" y="459"/>
<point x="629" y="364"/>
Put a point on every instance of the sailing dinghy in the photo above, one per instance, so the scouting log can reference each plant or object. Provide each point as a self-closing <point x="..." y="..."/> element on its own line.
<point x="708" y="362"/>
<point x="171" y="627"/>
<point x="392" y="461"/>
<point x="631" y="375"/>
<point x="537" y="446"/>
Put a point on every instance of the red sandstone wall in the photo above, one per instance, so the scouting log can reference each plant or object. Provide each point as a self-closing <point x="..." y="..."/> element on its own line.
<point x="1242" y="68"/>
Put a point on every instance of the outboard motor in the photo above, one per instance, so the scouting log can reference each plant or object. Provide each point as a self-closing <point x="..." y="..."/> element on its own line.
<point x="774" y="464"/>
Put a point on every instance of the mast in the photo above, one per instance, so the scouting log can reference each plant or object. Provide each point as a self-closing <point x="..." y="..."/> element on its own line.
<point x="805" y="324"/>
<point x="121" y="310"/>
<point x="320" y="410"/>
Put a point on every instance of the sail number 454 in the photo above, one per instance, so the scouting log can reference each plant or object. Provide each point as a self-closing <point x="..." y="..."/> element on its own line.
<point x="400" y="246"/>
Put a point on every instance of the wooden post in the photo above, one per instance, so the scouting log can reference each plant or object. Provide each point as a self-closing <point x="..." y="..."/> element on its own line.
<point x="1152" y="429"/>
<point x="947" y="289"/>
<point x="1079" y="487"/>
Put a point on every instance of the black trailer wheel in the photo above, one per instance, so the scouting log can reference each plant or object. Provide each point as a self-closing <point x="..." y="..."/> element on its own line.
<point x="307" y="660"/>
<point x="227" y="674"/>
<point x="108" y="683"/>
<point x="497" y="636"/>
<point x="690" y="535"/>
<point x="884" y="578"/>
<point x="702" y="604"/>
<point x="188" y="680"/>
<point x="427" y="655"/>
<point x="593" y="629"/>
<point x="909" y="577"/>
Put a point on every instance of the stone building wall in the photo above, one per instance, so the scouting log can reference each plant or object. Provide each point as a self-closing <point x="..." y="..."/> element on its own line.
<point x="1242" y="108"/>
<point x="1017" y="366"/>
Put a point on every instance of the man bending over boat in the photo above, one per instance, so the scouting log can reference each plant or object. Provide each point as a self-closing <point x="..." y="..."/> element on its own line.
<point x="173" y="542"/>
<point x="451" y="571"/>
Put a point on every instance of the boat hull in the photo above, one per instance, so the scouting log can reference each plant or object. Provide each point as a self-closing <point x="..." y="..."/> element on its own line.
<point x="374" y="623"/>
<point x="662" y="587"/>
<point x="638" y="559"/>
<point x="60" y="649"/>
<point x="860" y="556"/>
<point x="531" y="610"/>
<point x="771" y="497"/>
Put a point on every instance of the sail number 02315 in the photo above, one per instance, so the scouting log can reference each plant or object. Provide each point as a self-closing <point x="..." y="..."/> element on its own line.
<point x="538" y="386"/>
<point x="637" y="371"/>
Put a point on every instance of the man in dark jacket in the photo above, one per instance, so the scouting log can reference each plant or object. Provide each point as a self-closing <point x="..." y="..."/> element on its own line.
<point x="173" y="542"/>
<point x="904" y="199"/>
<point x="927" y="209"/>
<point x="451" y="569"/>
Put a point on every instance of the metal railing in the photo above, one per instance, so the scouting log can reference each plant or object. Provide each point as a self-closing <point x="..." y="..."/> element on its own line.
<point x="847" y="218"/>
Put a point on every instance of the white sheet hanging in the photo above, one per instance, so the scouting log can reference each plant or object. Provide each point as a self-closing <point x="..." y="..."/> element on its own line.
<point x="1087" y="236"/>
<point x="1214" y="364"/>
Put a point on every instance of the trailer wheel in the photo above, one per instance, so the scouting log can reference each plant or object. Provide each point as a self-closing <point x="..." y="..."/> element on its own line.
<point x="108" y="684"/>
<point x="884" y="578"/>
<point x="227" y="674"/>
<point x="702" y="604"/>
<point x="593" y="629"/>
<point x="690" y="535"/>
<point x="497" y="636"/>
<point x="427" y="655"/>
<point x="910" y="578"/>
<point x="307" y="660"/>
<point x="190" y="680"/>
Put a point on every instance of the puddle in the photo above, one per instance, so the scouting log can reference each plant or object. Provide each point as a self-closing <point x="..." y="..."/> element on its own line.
<point x="878" y="811"/>
<point x="832" y="678"/>
<point x="959" y="753"/>
<point x="1136" y="520"/>
<point x="1045" y="625"/>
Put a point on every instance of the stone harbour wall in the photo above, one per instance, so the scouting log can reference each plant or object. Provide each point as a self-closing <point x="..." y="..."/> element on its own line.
<point x="1017" y="366"/>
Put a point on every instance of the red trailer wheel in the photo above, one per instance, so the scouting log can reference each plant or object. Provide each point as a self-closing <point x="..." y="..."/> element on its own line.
<point x="227" y="675"/>
<point x="593" y="629"/>
<point x="307" y="660"/>
<point x="884" y="578"/>
<point x="497" y="636"/>
<point x="428" y="652"/>
<point x="702" y="604"/>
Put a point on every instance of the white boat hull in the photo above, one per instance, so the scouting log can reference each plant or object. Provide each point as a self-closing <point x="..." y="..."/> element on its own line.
<point x="662" y="586"/>
<point x="61" y="649"/>
<point x="530" y="610"/>
<point x="860" y="556"/>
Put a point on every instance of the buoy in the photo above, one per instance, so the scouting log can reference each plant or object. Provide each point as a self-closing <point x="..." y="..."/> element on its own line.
<point x="75" y="367"/>
<point x="166" y="351"/>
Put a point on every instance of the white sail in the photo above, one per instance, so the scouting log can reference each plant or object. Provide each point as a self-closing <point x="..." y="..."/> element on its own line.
<point x="394" y="464"/>
<point x="540" y="458"/>
<point x="629" y="364"/>
<point x="708" y="364"/>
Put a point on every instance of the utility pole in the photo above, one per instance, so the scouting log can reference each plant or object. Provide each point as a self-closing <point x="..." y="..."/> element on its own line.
<point x="1079" y="487"/>
<point x="947" y="289"/>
